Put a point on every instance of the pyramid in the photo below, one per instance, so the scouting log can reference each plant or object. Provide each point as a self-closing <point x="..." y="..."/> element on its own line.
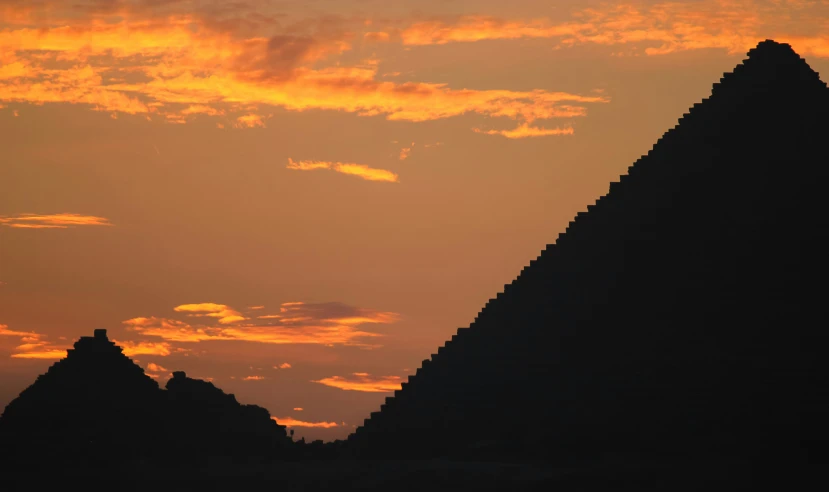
<point x="97" y="405"/>
<point x="677" y="316"/>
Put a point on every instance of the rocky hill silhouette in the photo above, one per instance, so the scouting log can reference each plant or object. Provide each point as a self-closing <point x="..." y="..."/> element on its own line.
<point x="680" y="315"/>
<point x="97" y="404"/>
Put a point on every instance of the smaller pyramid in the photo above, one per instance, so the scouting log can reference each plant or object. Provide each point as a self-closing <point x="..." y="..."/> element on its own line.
<point x="97" y="405"/>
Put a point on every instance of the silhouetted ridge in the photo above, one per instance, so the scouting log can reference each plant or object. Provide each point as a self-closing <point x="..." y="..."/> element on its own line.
<point x="673" y="316"/>
<point x="97" y="404"/>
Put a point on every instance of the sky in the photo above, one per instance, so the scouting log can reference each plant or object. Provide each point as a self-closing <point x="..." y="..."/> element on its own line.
<point x="302" y="200"/>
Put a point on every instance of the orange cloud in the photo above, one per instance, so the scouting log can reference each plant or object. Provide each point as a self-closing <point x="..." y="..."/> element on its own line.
<point x="180" y="66"/>
<point x="299" y="323"/>
<point x="253" y="378"/>
<point x="525" y="130"/>
<point x="224" y="313"/>
<point x="291" y="422"/>
<point x="298" y="409"/>
<point x="155" y="368"/>
<point x="653" y="28"/>
<point x="250" y="121"/>
<point x="359" y="170"/>
<point x="53" y="221"/>
<point x="131" y="349"/>
<point x="405" y="151"/>
<point x="362" y="381"/>
<point x="284" y="365"/>
<point x="34" y="346"/>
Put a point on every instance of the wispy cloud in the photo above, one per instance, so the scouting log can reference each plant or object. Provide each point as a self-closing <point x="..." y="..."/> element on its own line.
<point x="651" y="28"/>
<point x="131" y="349"/>
<point x="253" y="378"/>
<point x="359" y="170"/>
<point x="292" y="422"/>
<point x="224" y="314"/>
<point x="33" y="345"/>
<point x="405" y="151"/>
<point x="525" y="131"/>
<point x="178" y="66"/>
<point x="52" y="221"/>
<point x="297" y="323"/>
<point x="284" y="365"/>
<point x="361" y="381"/>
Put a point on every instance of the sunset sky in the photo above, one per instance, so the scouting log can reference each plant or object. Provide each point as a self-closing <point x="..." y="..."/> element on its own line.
<point x="302" y="200"/>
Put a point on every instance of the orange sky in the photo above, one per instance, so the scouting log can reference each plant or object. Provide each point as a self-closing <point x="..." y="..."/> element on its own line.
<point x="302" y="200"/>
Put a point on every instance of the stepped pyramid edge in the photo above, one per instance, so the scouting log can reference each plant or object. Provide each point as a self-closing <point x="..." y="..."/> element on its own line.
<point x="604" y="300"/>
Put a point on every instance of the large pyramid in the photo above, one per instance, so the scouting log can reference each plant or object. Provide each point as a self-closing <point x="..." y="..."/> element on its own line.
<point x="682" y="313"/>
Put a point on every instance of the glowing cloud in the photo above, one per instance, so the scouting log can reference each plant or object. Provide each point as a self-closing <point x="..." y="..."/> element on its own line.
<point x="253" y="378"/>
<point x="183" y="66"/>
<point x="54" y="221"/>
<point x="131" y="349"/>
<point x="284" y="365"/>
<point x="224" y="313"/>
<point x="362" y="381"/>
<point x="33" y="345"/>
<point x="291" y="422"/>
<point x="524" y="131"/>
<point x="655" y="29"/>
<point x="359" y="170"/>
<point x="298" y="323"/>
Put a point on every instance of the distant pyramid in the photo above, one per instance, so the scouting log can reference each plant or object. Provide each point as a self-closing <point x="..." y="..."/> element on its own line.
<point x="98" y="404"/>
<point x="682" y="313"/>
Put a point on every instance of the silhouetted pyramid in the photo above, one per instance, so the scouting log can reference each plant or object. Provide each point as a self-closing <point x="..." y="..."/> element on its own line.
<point x="682" y="313"/>
<point x="98" y="404"/>
<point x="198" y="406"/>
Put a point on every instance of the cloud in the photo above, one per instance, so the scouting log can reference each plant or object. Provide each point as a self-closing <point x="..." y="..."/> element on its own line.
<point x="33" y="345"/>
<point x="405" y="151"/>
<point x="298" y="409"/>
<point x="525" y="130"/>
<point x="131" y="349"/>
<point x="361" y="381"/>
<point x="359" y="170"/>
<point x="250" y="121"/>
<point x="253" y="378"/>
<point x="284" y="365"/>
<point x="298" y="323"/>
<point x="182" y="65"/>
<point x="291" y="422"/>
<point x="651" y="28"/>
<point x="224" y="313"/>
<point x="53" y="221"/>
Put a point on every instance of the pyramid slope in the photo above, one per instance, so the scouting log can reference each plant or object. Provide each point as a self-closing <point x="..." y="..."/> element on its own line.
<point x="672" y="316"/>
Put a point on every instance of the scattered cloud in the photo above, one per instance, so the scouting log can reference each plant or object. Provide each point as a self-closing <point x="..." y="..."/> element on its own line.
<point x="181" y="65"/>
<point x="131" y="349"/>
<point x="359" y="170"/>
<point x="33" y="345"/>
<point x="250" y="121"/>
<point x="253" y="378"/>
<point x="298" y="409"/>
<point x="291" y="422"/>
<point x="220" y="311"/>
<point x="651" y="28"/>
<point x="297" y="323"/>
<point x="405" y="151"/>
<point x="361" y="381"/>
<point x="52" y="221"/>
<point x="525" y="130"/>
<point x="252" y="308"/>
<point x="284" y="365"/>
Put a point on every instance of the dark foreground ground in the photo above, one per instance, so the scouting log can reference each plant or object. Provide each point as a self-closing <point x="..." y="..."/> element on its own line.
<point x="433" y="475"/>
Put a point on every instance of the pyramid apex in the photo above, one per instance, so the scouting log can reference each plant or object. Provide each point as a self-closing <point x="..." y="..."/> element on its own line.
<point x="771" y="48"/>
<point x="100" y="333"/>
